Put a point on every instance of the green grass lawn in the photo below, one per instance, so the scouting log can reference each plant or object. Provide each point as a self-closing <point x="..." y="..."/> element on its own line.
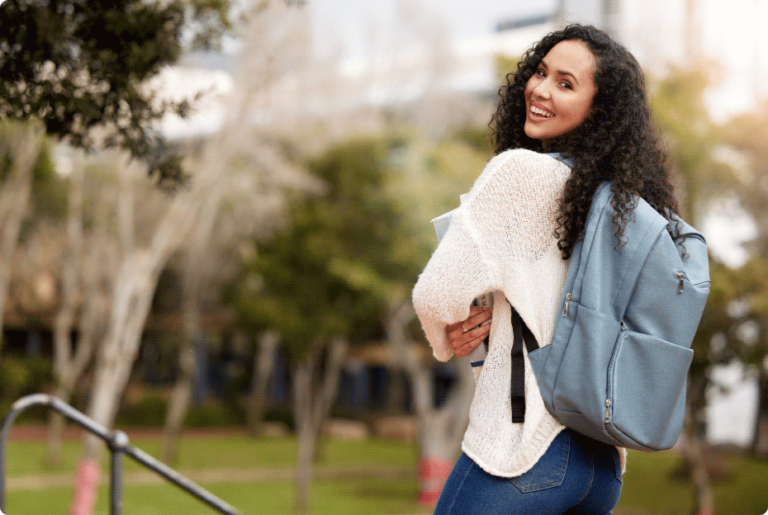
<point x="237" y="450"/>
<point x="348" y="497"/>
<point x="648" y="486"/>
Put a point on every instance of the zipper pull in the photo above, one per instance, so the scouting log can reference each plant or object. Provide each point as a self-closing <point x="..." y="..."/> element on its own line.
<point x="565" y="308"/>
<point x="681" y="287"/>
<point x="607" y="412"/>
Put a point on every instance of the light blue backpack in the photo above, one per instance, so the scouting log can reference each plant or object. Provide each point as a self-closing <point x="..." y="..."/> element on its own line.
<point x="616" y="368"/>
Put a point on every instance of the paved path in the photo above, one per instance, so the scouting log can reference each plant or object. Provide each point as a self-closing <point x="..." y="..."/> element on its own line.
<point x="209" y="476"/>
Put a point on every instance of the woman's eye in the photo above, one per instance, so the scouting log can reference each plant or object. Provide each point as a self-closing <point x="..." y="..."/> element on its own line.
<point x="540" y="72"/>
<point x="566" y="85"/>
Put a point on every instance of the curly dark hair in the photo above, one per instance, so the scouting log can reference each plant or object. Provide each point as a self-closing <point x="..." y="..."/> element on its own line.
<point x="617" y="142"/>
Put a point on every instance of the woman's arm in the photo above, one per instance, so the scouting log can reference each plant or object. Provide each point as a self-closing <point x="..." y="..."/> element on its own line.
<point x="454" y="276"/>
<point x="504" y="226"/>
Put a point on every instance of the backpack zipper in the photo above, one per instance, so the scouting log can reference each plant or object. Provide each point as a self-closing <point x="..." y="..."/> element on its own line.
<point x="607" y="411"/>
<point x="565" y="308"/>
<point x="681" y="287"/>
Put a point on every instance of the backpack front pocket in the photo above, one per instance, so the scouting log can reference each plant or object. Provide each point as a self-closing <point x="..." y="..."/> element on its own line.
<point x="581" y="384"/>
<point x="645" y="401"/>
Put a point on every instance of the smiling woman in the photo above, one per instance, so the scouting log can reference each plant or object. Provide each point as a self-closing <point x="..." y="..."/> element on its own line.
<point x="559" y="95"/>
<point x="572" y="116"/>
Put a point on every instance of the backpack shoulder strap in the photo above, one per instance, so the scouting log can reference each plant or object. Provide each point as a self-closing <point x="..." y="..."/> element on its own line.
<point x="642" y="232"/>
<point x="521" y="333"/>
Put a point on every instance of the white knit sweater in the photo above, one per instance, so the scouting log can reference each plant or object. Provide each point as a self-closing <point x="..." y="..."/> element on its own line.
<point x="501" y="239"/>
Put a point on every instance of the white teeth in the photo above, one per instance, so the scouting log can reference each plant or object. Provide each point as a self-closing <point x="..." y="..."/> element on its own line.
<point x="540" y="112"/>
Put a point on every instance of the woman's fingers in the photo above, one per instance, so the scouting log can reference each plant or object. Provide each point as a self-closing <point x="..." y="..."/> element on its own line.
<point x="477" y="315"/>
<point x="471" y="339"/>
<point x="465" y="336"/>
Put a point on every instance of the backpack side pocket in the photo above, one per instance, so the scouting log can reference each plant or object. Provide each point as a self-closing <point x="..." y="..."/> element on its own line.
<point x="647" y="378"/>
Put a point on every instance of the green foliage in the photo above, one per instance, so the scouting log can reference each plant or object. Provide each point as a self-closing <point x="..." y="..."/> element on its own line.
<point x="23" y="376"/>
<point x="78" y="65"/>
<point x="747" y="287"/>
<point x="748" y="134"/>
<point x="149" y="411"/>
<point x="215" y="414"/>
<point x="505" y="65"/>
<point x="49" y="190"/>
<point x="478" y="138"/>
<point x="332" y="271"/>
<point x="691" y="136"/>
<point x="49" y="193"/>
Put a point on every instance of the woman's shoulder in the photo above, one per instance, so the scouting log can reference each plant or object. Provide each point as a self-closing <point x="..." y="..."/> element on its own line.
<point x="525" y="168"/>
<point x="523" y="154"/>
<point x="523" y="159"/>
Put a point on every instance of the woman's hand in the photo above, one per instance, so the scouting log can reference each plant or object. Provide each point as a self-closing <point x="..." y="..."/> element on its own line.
<point x="465" y="336"/>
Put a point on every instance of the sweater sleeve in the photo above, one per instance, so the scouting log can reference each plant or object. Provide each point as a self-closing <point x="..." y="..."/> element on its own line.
<point x="503" y="227"/>
<point x="454" y="276"/>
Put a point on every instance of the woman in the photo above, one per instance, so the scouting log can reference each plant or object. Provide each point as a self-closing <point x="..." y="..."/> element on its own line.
<point x="573" y="115"/>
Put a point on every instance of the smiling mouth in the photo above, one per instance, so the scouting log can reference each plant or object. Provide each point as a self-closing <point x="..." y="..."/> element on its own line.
<point x="541" y="112"/>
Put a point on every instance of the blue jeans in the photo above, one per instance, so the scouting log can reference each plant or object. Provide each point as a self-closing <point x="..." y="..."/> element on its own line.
<point x="576" y="476"/>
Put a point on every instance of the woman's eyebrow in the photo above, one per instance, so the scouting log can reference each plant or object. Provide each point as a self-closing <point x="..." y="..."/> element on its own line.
<point x="561" y="72"/>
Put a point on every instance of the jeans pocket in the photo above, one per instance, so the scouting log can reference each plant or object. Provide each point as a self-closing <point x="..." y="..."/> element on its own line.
<point x="549" y="471"/>
<point x="617" y="464"/>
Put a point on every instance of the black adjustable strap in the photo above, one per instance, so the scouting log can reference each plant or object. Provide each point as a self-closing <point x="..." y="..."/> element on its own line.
<point x="521" y="334"/>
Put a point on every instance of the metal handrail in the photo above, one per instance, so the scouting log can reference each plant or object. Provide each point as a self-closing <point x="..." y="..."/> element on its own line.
<point x="117" y="441"/>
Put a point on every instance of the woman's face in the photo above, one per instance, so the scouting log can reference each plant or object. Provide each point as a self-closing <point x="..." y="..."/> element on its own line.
<point x="559" y="95"/>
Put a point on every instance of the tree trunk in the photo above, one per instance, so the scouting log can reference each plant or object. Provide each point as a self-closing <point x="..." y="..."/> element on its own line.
<point x="759" y="445"/>
<point x="22" y="143"/>
<point x="328" y="390"/>
<point x="694" y="449"/>
<point x="197" y="256"/>
<point x="91" y="329"/>
<point x="65" y="318"/>
<point x="131" y="301"/>
<point x="312" y="403"/>
<point x="440" y="430"/>
<point x="263" y="367"/>
<point x="181" y="397"/>
<point x="302" y="395"/>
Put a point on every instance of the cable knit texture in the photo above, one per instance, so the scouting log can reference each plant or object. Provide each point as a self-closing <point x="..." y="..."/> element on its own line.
<point x="501" y="240"/>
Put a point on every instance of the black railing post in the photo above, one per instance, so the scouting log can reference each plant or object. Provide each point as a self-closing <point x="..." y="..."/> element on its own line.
<point x="117" y="441"/>
<point x="117" y="445"/>
<point x="38" y="399"/>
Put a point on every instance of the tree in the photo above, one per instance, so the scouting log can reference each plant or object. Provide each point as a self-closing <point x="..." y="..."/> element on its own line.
<point x="142" y="262"/>
<point x="69" y="365"/>
<point x="320" y="283"/>
<point x="81" y="66"/>
<point x="747" y="134"/>
<point x="441" y="429"/>
<point x="691" y="135"/>
<point x="22" y="154"/>
<point x="211" y="257"/>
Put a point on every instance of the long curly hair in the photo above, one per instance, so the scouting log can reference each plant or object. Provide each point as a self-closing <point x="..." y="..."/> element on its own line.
<point x="617" y="142"/>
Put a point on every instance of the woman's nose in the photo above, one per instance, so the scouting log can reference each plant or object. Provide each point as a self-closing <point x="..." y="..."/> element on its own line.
<point x="542" y="89"/>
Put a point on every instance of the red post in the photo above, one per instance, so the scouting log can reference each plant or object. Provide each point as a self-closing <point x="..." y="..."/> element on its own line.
<point x="433" y="472"/>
